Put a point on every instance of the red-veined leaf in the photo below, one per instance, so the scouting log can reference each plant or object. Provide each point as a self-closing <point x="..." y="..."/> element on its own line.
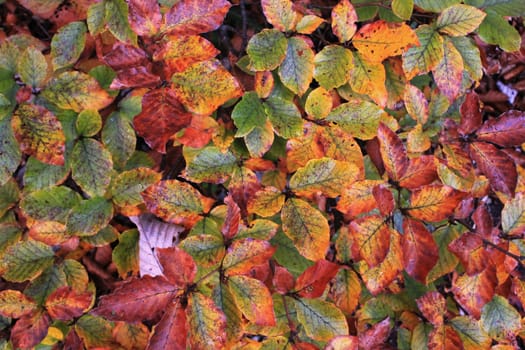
<point x="171" y="331"/>
<point x="39" y="133"/>
<point x="162" y="116"/>
<point x="14" y="304"/>
<point x="393" y="152"/>
<point x="280" y="14"/>
<point x="30" y="330"/>
<point x="344" y="20"/>
<point x="144" y="17"/>
<point x="496" y="165"/>
<point x="433" y="306"/>
<point x="420" y="250"/>
<point x="378" y="40"/>
<point x="65" y="303"/>
<point x="507" y="130"/>
<point x="189" y="17"/>
<point x="371" y="238"/>
<point x="177" y="266"/>
<point x="473" y="292"/>
<point x="206" y="323"/>
<point x="434" y="202"/>
<point x="244" y="254"/>
<point x="313" y="281"/>
<point x="253" y="299"/>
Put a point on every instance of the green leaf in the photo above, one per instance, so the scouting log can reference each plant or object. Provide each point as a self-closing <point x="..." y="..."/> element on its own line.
<point x="253" y="298"/>
<point x="421" y="59"/>
<point x="360" y="118"/>
<point x="206" y="250"/>
<point x="332" y="66"/>
<point x="260" y="140"/>
<point x="91" y="164"/>
<point x="126" y="253"/>
<point x="206" y="323"/>
<point x="403" y="8"/>
<point x="116" y="17"/>
<point x="96" y="17"/>
<point x="9" y="54"/>
<point x="39" y="175"/>
<point x="248" y="114"/>
<point x="447" y="261"/>
<point x="39" y="133"/>
<point x="10" y="154"/>
<point x="287" y="254"/>
<point x="9" y="194"/>
<point x="435" y="5"/>
<point x="94" y="331"/>
<point x="67" y="44"/>
<point x="26" y="260"/>
<point x="223" y="298"/>
<point x="50" y="204"/>
<point x="210" y="165"/>
<point x="499" y="319"/>
<point x="89" y="123"/>
<point x="119" y="138"/>
<point x="285" y="117"/>
<point x="259" y="229"/>
<point x="296" y="71"/>
<point x="471" y="57"/>
<point x="321" y="320"/>
<point x="513" y="215"/>
<point x="77" y="91"/>
<point x="89" y="216"/>
<point x="497" y="31"/>
<point x="324" y="175"/>
<point x="107" y="235"/>
<point x="267" y="49"/>
<point x="32" y="67"/>
<point x="128" y="186"/>
<point x="459" y="20"/>
<point x="306" y="227"/>
<point x="470" y="332"/>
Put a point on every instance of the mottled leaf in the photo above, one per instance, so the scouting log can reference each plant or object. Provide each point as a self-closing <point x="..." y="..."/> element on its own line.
<point x="25" y="261"/>
<point x="368" y="78"/>
<point x="285" y="117"/>
<point x="88" y="123"/>
<point x="473" y="292"/>
<point x="416" y="104"/>
<point x="206" y="249"/>
<point x="177" y="266"/>
<point x="128" y="185"/>
<point x="459" y="20"/>
<point x="297" y="69"/>
<point x="318" y="103"/>
<point x="125" y="255"/>
<point x="248" y="114"/>
<point x="210" y="165"/>
<point x="448" y="74"/>
<point x="371" y="238"/>
<point x="332" y="65"/>
<point x="507" y="130"/>
<point x="500" y="319"/>
<point x="280" y="14"/>
<point x="116" y="17"/>
<point x="253" y="298"/>
<point x="321" y="320"/>
<point x="206" y="323"/>
<point x="421" y="59"/>
<point x="359" y="118"/>
<point x="32" y="67"/>
<point x="267" y="49"/>
<point x="344" y="20"/>
<point x="267" y="202"/>
<point x="471" y="333"/>
<point x="434" y="202"/>
<point x="513" y="215"/>
<point x="49" y="204"/>
<point x="15" y="304"/>
<point x="171" y="331"/>
<point x="346" y="290"/>
<point x="189" y="17"/>
<point x="144" y="17"/>
<point x="67" y="44"/>
<point x="66" y="304"/>
<point x="314" y="280"/>
<point x="30" y="330"/>
<point x="244" y="254"/>
<point x="89" y="216"/>
<point x="90" y="165"/>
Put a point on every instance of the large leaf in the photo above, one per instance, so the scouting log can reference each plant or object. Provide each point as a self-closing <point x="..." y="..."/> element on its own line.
<point x="498" y="31"/>
<point x="253" y="298"/>
<point x="321" y="320"/>
<point x="90" y="163"/>
<point x="77" y="91"/>
<point x="188" y="17"/>
<point x="344" y="20"/>
<point x="171" y="331"/>
<point x="206" y="323"/>
<point x="508" y="130"/>
<point x="280" y="14"/>
<point x="39" y="133"/>
<point x="26" y="260"/>
<point x="500" y="319"/>
<point x="49" y="204"/>
<point x="324" y="175"/>
<point x="421" y="59"/>
<point x="471" y="333"/>
<point x="67" y="44"/>
<point x="371" y="237"/>
<point x="30" y="330"/>
<point x="306" y="227"/>
<point x="297" y="69"/>
<point x="420" y="250"/>
<point x="379" y="40"/>
<point x="459" y="20"/>
<point x="434" y="202"/>
<point x="393" y="152"/>
<point x="332" y="65"/>
<point x="204" y="96"/>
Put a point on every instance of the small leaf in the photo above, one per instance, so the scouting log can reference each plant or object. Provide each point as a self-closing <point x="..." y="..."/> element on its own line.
<point x="403" y="8"/>
<point x="32" y="67"/>
<point x="253" y="298"/>
<point x="267" y="49"/>
<point x="379" y="40"/>
<point x="513" y="215"/>
<point x="26" y="260"/>
<point x="421" y="59"/>
<point x="244" y="254"/>
<point x="89" y="123"/>
<point x="89" y="216"/>
<point x="90" y="163"/>
<point x="206" y="323"/>
<point x="324" y="175"/>
<point x="308" y="24"/>
<point x="67" y="44"/>
<point x="144" y="17"/>
<point x="119" y="138"/>
<point x="14" y="304"/>
<point x="434" y="202"/>
<point x="332" y="65"/>
<point x="459" y="20"/>
<point x="39" y="133"/>
<point x="499" y="319"/>
<point x="321" y="320"/>
<point x="285" y="117"/>
<point x="297" y="69"/>
<point x="210" y="165"/>
<point x="359" y="118"/>
<point x="368" y="78"/>
<point x="204" y="96"/>
<point x="280" y="14"/>
<point x="306" y="227"/>
<point x="343" y="342"/>
<point x="128" y="185"/>
<point x="191" y="17"/>
<point x="77" y="91"/>
<point x="371" y="238"/>
<point x="174" y="201"/>
<point x="94" y="331"/>
<point x="65" y="303"/>
<point x="344" y="20"/>
<point x="313" y="281"/>
<point x="260" y="140"/>
<point x="420" y="250"/>
<point x="448" y="74"/>
<point x="508" y="130"/>
<point x="376" y="335"/>
<point x="125" y="255"/>
<point x="318" y="103"/>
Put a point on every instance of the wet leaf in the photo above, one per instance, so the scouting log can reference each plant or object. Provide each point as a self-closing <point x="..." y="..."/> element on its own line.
<point x="39" y="133"/>
<point x="344" y="20"/>
<point x="189" y="17"/>
<point x="253" y="299"/>
<point x="306" y="227"/>
<point x="90" y="162"/>
<point x="297" y="69"/>
<point x="280" y="14"/>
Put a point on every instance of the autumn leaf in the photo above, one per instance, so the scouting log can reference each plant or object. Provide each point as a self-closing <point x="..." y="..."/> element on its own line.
<point x="332" y="65"/>
<point x="29" y="330"/>
<point x="344" y="18"/>
<point x="253" y="298"/>
<point x="448" y="74"/>
<point x="473" y="292"/>
<point x="434" y="202"/>
<point x="313" y="281"/>
<point x="206" y="323"/>
<point x="371" y="238"/>
<point x="144" y="17"/>
<point x="321" y="319"/>
<point x="267" y="49"/>
<point x="458" y="20"/>
<point x="14" y="304"/>
<point x="189" y="17"/>
<point x="65" y="303"/>
<point x="420" y="250"/>
<point x="507" y="130"/>
<point x="171" y="330"/>
<point x="421" y="59"/>
<point x="297" y="69"/>
<point x="244" y="254"/>
<point x="368" y="78"/>
<point x="280" y="13"/>
<point x="433" y="306"/>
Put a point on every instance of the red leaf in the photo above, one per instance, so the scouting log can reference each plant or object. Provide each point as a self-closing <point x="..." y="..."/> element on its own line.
<point x="421" y="171"/>
<point x="171" y="331"/>
<point x="496" y="166"/>
<point x="162" y="115"/>
<point x="188" y="17"/>
<point x="312" y="282"/>
<point x="283" y="280"/>
<point x="384" y="199"/>
<point x="244" y="254"/>
<point x="433" y="307"/>
<point x="482" y="220"/>
<point x="470" y="252"/>
<point x="72" y="341"/>
<point x="134" y="77"/>
<point x="420" y="250"/>
<point x="507" y="130"/>
<point x="434" y="202"/>
<point x="30" y="330"/>
<point x="124" y="56"/>
<point x="473" y="292"/>
<point x="444" y="337"/>
<point x="137" y="299"/>
<point x="144" y="17"/>
<point x="232" y="220"/>
<point x="393" y="152"/>
<point x="65" y="303"/>
<point x="470" y="111"/>
<point x="177" y="265"/>
<point x="375" y="336"/>
<point x="371" y="239"/>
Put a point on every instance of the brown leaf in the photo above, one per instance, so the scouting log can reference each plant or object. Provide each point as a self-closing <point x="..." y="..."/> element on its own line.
<point x="162" y="115"/>
<point x="30" y="330"/>
<point x="144" y="17"/>
<point x="65" y="303"/>
<point x="507" y="130"/>
<point x="384" y="199"/>
<point x="444" y="338"/>
<point x="420" y="250"/>
<point x="471" y="117"/>
<point x="171" y="331"/>
<point x="312" y="282"/>
<point x="178" y="266"/>
<point x="189" y="17"/>
<point x="124" y="56"/>
<point x="393" y="152"/>
<point x="134" y="77"/>
<point x="496" y="166"/>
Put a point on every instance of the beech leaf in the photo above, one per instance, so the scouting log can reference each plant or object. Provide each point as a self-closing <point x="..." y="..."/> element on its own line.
<point x="344" y="18"/>
<point x="189" y="17"/>
<point x="280" y="14"/>
<point x="253" y="298"/>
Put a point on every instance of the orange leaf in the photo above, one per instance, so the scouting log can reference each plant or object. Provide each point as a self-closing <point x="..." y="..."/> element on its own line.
<point x="358" y="199"/>
<point x="421" y="171"/>
<point x="393" y="152"/>
<point x="380" y="39"/>
<point x="473" y="292"/>
<point x="280" y="14"/>
<point x="371" y="238"/>
<point x="244" y="254"/>
<point x="312" y="282"/>
<point x="345" y="290"/>
<point x="384" y="199"/>
<point x="419" y="248"/>
<point x="343" y="342"/>
<point x="444" y="337"/>
<point x="253" y="298"/>
<point x="189" y="17"/>
<point x="162" y="115"/>
<point x="416" y="104"/>
<point x="433" y="307"/>
<point x="470" y="252"/>
<point x="177" y="266"/>
<point x="65" y="303"/>
<point x="199" y="133"/>
<point x="14" y="304"/>
<point x="344" y="20"/>
<point x="368" y="78"/>
<point x="434" y="202"/>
